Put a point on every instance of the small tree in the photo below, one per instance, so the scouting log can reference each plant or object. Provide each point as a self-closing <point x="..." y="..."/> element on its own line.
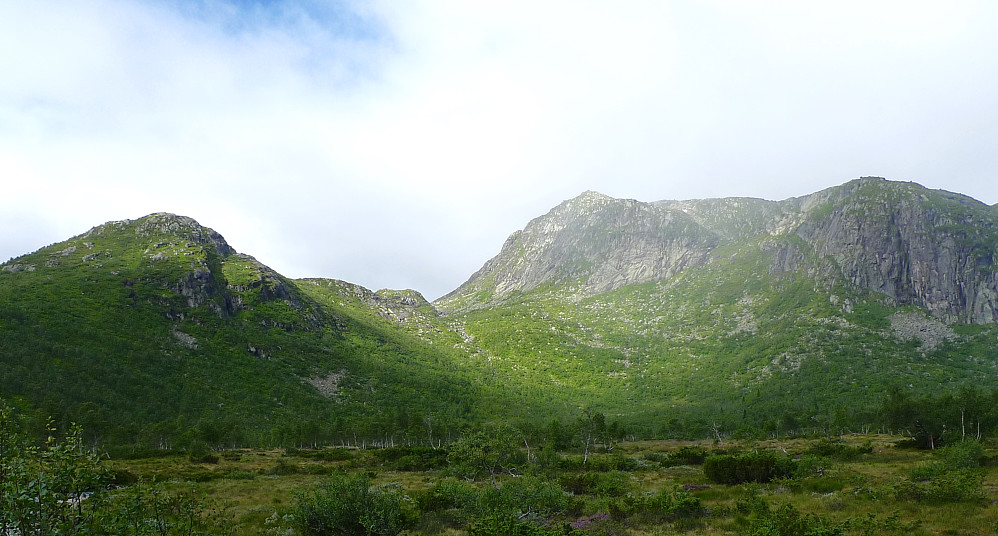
<point x="493" y="452"/>
<point x="349" y="506"/>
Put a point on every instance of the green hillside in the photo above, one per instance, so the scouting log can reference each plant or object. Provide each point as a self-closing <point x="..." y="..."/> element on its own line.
<point x="674" y="319"/>
<point x="155" y="331"/>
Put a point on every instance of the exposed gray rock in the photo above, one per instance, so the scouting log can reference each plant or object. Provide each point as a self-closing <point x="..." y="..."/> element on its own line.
<point x="593" y="241"/>
<point x="329" y="385"/>
<point x="930" y="332"/>
<point x="18" y="267"/>
<point x="163" y="223"/>
<point x="916" y="246"/>
<point x="185" y="339"/>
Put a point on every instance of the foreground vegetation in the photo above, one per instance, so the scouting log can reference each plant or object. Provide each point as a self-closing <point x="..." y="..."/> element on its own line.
<point x="489" y="482"/>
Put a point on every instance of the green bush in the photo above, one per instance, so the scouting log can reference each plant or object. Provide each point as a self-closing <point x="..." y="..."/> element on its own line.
<point x="412" y="458"/>
<point x="754" y="467"/>
<point x="62" y="487"/>
<point x="686" y="456"/>
<point x="505" y="525"/>
<point x="447" y="494"/>
<point x="284" y="467"/>
<point x="676" y="504"/>
<point x="948" y="486"/>
<point x="954" y="477"/>
<point x="788" y="521"/>
<point x="839" y="450"/>
<point x="611" y="484"/>
<point x="965" y="455"/>
<point x="610" y="462"/>
<point x="348" y="506"/>
<point x="334" y="455"/>
<point x="524" y="496"/>
<point x="201" y="454"/>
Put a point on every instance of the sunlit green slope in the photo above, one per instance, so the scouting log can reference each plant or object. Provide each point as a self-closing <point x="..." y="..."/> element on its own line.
<point x="674" y="317"/>
<point x="155" y="331"/>
<point x="801" y="310"/>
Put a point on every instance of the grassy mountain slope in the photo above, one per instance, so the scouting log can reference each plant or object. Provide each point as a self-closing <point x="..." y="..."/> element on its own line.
<point x="675" y="317"/>
<point x="798" y="312"/>
<point x="156" y="331"/>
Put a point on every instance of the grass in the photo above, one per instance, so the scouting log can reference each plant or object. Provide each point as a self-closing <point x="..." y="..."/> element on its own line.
<point x="857" y="489"/>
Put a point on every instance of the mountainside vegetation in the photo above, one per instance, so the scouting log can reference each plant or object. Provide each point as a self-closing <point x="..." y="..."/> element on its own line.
<point x="701" y="318"/>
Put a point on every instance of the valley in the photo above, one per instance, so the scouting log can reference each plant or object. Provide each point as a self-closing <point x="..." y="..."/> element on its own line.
<point x="849" y="335"/>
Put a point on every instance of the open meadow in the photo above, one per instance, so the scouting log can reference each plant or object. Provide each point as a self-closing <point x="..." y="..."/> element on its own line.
<point x="856" y="484"/>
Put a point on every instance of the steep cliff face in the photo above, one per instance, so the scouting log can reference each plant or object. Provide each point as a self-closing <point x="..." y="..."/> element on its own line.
<point x="923" y="247"/>
<point x="929" y="248"/>
<point x="593" y="243"/>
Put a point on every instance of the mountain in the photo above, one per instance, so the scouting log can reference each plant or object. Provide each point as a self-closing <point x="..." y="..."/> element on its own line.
<point x="156" y="331"/>
<point x="672" y="317"/>
<point x="678" y="315"/>
<point x="922" y="247"/>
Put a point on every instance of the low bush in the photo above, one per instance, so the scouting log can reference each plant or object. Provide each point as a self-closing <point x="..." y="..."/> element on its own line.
<point x="839" y="450"/>
<point x="686" y="456"/>
<point x="348" y="506"/>
<point x="753" y="467"/>
<point x="789" y="521"/>
<point x="201" y="455"/>
<point x="610" y="462"/>
<point x="524" y="496"/>
<point x="412" y="458"/>
<point x="447" y="494"/>
<point x="334" y="455"/>
<point x="675" y="504"/>
<point x="955" y="476"/>
<point x="948" y="486"/>
<point x="284" y="467"/>
<point x="611" y="484"/>
<point x="505" y="525"/>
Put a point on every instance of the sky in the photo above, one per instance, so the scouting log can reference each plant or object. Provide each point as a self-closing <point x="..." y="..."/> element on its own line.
<point x="397" y="143"/>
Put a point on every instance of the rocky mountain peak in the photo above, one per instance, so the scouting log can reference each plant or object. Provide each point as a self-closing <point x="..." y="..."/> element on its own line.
<point x="592" y="243"/>
<point x="930" y="248"/>
<point x="167" y="224"/>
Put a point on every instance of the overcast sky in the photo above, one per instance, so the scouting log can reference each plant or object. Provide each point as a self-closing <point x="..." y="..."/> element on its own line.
<point x="397" y="144"/>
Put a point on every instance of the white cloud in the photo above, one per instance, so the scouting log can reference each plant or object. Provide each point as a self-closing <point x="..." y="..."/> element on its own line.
<point x="398" y="143"/>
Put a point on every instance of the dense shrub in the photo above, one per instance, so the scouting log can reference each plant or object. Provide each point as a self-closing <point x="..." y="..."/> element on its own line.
<point x="348" y="506"/>
<point x="788" y="521"/>
<point x="954" y="477"/>
<point x="683" y="456"/>
<point x="62" y="487"/>
<point x="610" y="462"/>
<point x="198" y="456"/>
<point x="524" y="496"/>
<point x="754" y="467"/>
<point x="412" y="458"/>
<point x="284" y="467"/>
<point x="326" y="455"/>
<point x="611" y="484"/>
<point x="447" y="494"/>
<point x="676" y="504"/>
<point x="597" y="462"/>
<point x="965" y="455"/>
<point x="839" y="450"/>
<point x="949" y="486"/>
<point x="504" y="525"/>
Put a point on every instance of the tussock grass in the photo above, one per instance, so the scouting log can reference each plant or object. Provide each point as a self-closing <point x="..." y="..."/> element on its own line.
<point x="853" y="493"/>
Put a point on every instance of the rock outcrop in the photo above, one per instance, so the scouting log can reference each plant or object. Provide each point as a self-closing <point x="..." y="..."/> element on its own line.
<point x="917" y="246"/>
<point x="921" y="247"/>
<point x="593" y="242"/>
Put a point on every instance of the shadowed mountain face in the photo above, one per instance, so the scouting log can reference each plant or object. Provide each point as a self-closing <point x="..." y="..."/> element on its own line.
<point x="670" y="316"/>
<point x="921" y="247"/>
